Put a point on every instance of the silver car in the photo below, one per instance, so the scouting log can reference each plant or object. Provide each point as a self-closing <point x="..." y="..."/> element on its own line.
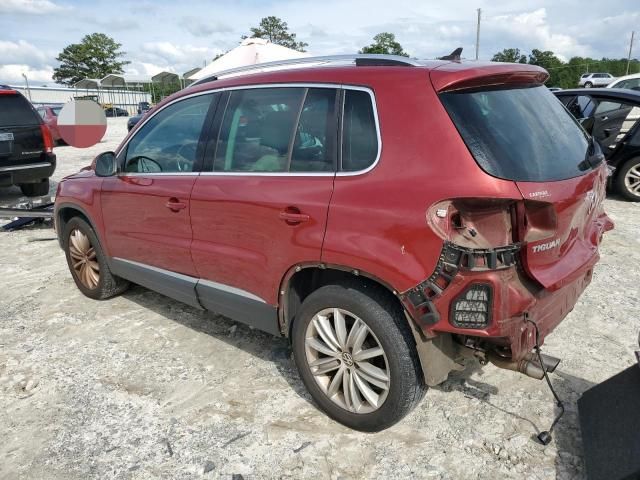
<point x="588" y="80"/>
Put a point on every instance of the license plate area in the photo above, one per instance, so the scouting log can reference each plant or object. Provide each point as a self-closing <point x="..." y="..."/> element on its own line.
<point x="6" y="143"/>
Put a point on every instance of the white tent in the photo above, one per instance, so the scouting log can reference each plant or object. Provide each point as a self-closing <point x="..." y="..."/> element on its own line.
<point x="249" y="52"/>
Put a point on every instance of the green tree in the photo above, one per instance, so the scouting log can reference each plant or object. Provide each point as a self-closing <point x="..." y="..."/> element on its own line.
<point x="552" y="64"/>
<point x="277" y="31"/>
<point x="96" y="56"/>
<point x="385" y="43"/>
<point x="511" y="55"/>
<point x="566" y="74"/>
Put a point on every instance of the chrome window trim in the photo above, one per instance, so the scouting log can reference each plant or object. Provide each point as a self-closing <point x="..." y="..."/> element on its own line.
<point x="267" y="174"/>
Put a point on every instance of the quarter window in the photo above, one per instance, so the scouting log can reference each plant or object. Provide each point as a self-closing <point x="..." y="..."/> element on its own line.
<point x="359" y="133"/>
<point x="168" y="142"/>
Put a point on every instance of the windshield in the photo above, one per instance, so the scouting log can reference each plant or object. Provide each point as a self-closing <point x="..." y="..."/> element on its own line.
<point x="520" y="134"/>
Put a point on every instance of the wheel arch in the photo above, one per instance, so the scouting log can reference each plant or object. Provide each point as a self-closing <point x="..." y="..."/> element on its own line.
<point x="303" y="279"/>
<point x="65" y="212"/>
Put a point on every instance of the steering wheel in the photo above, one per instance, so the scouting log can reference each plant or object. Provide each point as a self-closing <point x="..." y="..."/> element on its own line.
<point x="185" y="165"/>
<point x="144" y="165"/>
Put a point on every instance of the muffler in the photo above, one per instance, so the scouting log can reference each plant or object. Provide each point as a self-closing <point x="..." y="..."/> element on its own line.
<point x="550" y="363"/>
<point x="529" y="365"/>
<point x="526" y="365"/>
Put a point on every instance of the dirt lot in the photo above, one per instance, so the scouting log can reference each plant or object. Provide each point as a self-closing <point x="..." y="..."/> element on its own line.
<point x="141" y="386"/>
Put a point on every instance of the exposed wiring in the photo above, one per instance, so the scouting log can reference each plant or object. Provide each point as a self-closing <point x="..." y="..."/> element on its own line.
<point x="545" y="437"/>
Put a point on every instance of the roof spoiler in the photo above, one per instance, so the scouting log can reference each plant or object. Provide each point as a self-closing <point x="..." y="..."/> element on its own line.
<point x="456" y="76"/>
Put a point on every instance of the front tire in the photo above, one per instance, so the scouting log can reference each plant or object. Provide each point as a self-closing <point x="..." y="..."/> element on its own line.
<point x="356" y="355"/>
<point x="628" y="180"/>
<point x="588" y="85"/>
<point x="87" y="262"/>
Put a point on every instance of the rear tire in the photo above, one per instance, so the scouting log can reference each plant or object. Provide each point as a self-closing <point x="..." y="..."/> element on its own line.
<point x="35" y="189"/>
<point x="627" y="181"/>
<point x="371" y="391"/>
<point x="87" y="262"/>
<point x="588" y="85"/>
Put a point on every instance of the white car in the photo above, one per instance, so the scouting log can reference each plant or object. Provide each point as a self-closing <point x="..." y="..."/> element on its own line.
<point x="628" y="81"/>
<point x="588" y="80"/>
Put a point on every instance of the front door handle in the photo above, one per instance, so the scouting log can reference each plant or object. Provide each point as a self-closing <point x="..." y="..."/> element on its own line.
<point x="175" y="205"/>
<point x="293" y="216"/>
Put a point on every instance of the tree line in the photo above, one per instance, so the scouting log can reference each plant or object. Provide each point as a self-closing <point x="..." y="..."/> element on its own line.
<point x="98" y="55"/>
<point x="566" y="74"/>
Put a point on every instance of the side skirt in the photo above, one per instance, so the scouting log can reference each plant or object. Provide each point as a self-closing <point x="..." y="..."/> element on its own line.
<point x="228" y="301"/>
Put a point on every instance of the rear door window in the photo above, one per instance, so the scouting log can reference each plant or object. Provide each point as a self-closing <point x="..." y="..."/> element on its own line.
<point x="257" y="130"/>
<point x="607" y="106"/>
<point x="15" y="110"/>
<point x="315" y="137"/>
<point x="280" y="129"/>
<point x="359" y="131"/>
<point x="520" y="134"/>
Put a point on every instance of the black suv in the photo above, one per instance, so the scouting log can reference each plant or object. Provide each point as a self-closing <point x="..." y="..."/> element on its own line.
<point x="26" y="145"/>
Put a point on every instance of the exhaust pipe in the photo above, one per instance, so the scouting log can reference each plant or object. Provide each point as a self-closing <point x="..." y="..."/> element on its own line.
<point x="526" y="365"/>
<point x="550" y="363"/>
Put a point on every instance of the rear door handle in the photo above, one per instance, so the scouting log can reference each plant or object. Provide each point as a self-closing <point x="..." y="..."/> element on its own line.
<point x="175" y="205"/>
<point x="293" y="216"/>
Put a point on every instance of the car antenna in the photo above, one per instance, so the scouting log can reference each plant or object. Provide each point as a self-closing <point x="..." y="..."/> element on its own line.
<point x="453" y="56"/>
<point x="545" y="437"/>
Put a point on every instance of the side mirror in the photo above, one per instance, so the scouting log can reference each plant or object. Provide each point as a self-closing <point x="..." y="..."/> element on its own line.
<point x="105" y="164"/>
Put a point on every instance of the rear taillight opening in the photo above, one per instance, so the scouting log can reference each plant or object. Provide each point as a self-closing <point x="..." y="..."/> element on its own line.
<point x="474" y="222"/>
<point x="46" y="138"/>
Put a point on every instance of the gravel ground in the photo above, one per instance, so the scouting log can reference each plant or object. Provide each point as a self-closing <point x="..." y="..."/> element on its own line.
<point x="141" y="386"/>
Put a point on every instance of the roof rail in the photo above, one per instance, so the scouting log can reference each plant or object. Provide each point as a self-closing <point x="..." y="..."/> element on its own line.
<point x="358" y="59"/>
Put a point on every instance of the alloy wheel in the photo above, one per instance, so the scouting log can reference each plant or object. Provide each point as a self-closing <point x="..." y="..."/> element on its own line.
<point x="83" y="259"/>
<point x="632" y="180"/>
<point x="347" y="360"/>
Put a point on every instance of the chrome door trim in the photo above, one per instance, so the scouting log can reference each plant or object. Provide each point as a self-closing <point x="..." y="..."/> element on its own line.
<point x="268" y="174"/>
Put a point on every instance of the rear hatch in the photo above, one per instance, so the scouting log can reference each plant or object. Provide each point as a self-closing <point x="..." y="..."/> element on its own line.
<point x="21" y="139"/>
<point x="517" y="130"/>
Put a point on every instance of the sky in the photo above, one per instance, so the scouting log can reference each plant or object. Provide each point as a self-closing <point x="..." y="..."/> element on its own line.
<point x="177" y="36"/>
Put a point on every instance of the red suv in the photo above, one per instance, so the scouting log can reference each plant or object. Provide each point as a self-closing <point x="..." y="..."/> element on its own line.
<point x="389" y="216"/>
<point x="49" y="114"/>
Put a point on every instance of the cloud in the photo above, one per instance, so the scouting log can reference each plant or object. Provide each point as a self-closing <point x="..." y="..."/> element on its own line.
<point x="31" y="7"/>
<point x="143" y="68"/>
<point x="173" y="57"/>
<point x="199" y="28"/>
<point x="533" y="29"/>
<point x="116" y="24"/>
<point x="22" y="52"/>
<point x="12" y="74"/>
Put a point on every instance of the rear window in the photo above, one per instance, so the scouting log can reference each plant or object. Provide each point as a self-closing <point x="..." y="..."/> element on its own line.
<point x="15" y="110"/>
<point x="56" y="110"/>
<point x="521" y="134"/>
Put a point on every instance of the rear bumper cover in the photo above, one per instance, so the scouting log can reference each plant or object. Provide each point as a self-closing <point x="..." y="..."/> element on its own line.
<point x="29" y="172"/>
<point x="513" y="295"/>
